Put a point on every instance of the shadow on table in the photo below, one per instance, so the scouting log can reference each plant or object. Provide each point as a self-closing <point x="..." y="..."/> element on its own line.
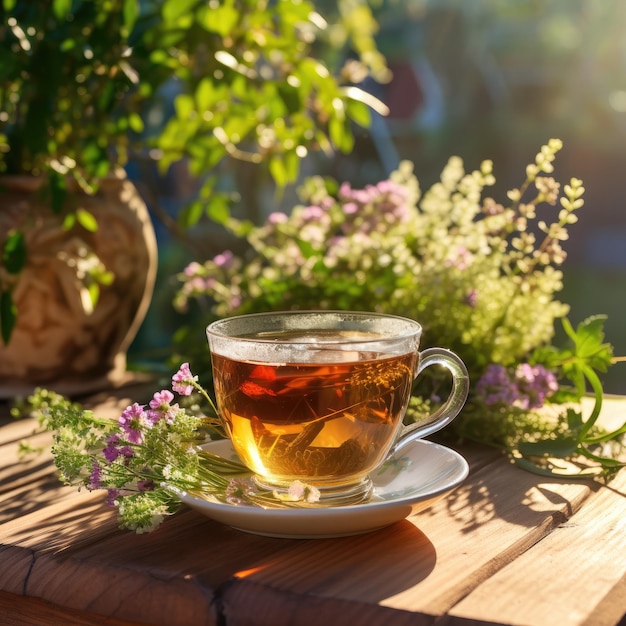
<point x="210" y="554"/>
<point x="26" y="497"/>
<point x="352" y="566"/>
<point x="515" y="496"/>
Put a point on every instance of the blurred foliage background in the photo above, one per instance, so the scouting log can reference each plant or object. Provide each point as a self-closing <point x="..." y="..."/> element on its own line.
<point x="486" y="79"/>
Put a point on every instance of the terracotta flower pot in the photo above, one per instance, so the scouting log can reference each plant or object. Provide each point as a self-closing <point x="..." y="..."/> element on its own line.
<point x="57" y="343"/>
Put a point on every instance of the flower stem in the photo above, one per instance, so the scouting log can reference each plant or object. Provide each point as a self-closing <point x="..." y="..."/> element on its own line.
<point x="596" y="385"/>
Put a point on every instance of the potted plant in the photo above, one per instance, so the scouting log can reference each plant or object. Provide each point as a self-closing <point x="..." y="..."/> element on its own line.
<point x="78" y="249"/>
<point x="77" y="82"/>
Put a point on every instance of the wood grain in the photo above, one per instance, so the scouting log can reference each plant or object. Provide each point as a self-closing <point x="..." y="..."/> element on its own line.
<point x="435" y="558"/>
<point x="19" y="611"/>
<point x="580" y="563"/>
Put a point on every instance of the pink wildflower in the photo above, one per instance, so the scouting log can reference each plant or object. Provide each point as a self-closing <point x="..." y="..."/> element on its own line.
<point x="312" y="213"/>
<point x="183" y="381"/>
<point x="193" y="268"/>
<point x="224" y="258"/>
<point x="471" y="298"/>
<point x="132" y="422"/>
<point x="161" y="399"/>
<point x="277" y="217"/>
<point x="160" y="406"/>
<point x="113" y="450"/>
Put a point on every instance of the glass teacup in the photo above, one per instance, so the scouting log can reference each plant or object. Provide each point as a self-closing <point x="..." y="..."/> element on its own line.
<point x="320" y="396"/>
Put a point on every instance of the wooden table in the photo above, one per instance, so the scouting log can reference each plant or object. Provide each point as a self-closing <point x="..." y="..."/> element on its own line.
<point x="507" y="547"/>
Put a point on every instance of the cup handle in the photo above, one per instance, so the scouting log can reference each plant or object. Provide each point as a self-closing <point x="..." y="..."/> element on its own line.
<point x="452" y="406"/>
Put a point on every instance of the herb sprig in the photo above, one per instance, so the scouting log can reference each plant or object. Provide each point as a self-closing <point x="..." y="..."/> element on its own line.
<point x="150" y="454"/>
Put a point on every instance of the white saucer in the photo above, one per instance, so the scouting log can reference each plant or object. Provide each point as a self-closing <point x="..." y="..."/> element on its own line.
<point x="407" y="483"/>
<point x="421" y="473"/>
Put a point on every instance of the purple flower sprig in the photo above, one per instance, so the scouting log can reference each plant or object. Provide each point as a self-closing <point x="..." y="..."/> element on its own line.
<point x="148" y="455"/>
<point x="526" y="386"/>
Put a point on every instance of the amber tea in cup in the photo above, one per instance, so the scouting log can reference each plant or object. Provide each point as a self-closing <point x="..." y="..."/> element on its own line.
<point x="319" y="396"/>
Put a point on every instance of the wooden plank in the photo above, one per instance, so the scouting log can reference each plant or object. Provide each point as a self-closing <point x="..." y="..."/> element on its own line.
<point x="176" y="571"/>
<point x="27" y="482"/>
<point x="78" y="519"/>
<point x="17" y="469"/>
<point x="430" y="561"/>
<point x="36" y="552"/>
<point x="14" y="430"/>
<point x="129" y="593"/>
<point x="575" y="572"/>
<point x="611" y="609"/>
<point x="19" y="611"/>
<point x="491" y="522"/>
<point x="256" y="605"/>
<point x="33" y="496"/>
<point x="83" y="517"/>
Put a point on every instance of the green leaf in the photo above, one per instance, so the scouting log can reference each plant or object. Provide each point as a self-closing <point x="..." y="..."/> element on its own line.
<point x="292" y="165"/>
<point x="67" y="45"/>
<point x="184" y="106"/>
<point x="219" y="209"/>
<point x="61" y="8"/>
<point x="588" y="340"/>
<point x="191" y="214"/>
<point x="564" y="396"/>
<point x="588" y="353"/>
<point x="240" y="228"/>
<point x="613" y="434"/>
<point x="135" y="122"/>
<point x="340" y="135"/>
<point x="359" y="113"/>
<point x="278" y="171"/>
<point x="105" y="278"/>
<point x="205" y="95"/>
<point x="106" y="99"/>
<point x="175" y="9"/>
<point x="290" y="96"/>
<point x="606" y="462"/>
<point x="574" y="420"/>
<point x="14" y="252"/>
<point x="94" y="294"/>
<point x="8" y="315"/>
<point x="220" y="19"/>
<point x="306" y="248"/>
<point x="557" y="472"/>
<point x="131" y="12"/>
<point x="559" y="448"/>
<point x="9" y="4"/>
<point x="69" y="220"/>
<point x="94" y="156"/>
<point x="87" y="220"/>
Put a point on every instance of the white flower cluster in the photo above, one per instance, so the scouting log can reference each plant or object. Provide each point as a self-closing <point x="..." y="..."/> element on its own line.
<point x="480" y="276"/>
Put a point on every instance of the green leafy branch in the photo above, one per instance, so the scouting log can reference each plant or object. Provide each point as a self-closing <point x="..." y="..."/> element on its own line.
<point x="579" y="439"/>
